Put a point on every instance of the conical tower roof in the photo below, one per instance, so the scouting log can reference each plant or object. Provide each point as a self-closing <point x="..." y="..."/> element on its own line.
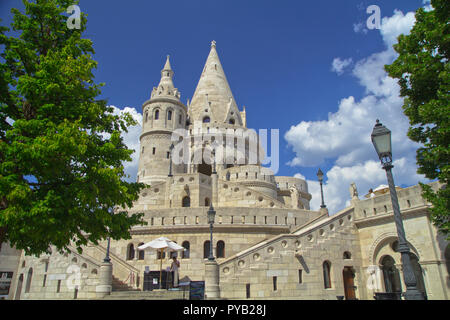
<point x="166" y="88"/>
<point x="213" y="96"/>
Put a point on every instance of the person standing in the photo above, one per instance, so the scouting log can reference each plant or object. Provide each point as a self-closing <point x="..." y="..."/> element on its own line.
<point x="174" y="267"/>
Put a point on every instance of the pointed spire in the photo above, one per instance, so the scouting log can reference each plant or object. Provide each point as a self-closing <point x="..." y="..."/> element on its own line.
<point x="167" y="66"/>
<point x="166" y="87"/>
<point x="214" y="84"/>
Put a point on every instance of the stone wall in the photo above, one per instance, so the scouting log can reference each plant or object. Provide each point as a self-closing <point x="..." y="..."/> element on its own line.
<point x="283" y="256"/>
<point x="378" y="232"/>
<point x="9" y="260"/>
<point x="56" y="276"/>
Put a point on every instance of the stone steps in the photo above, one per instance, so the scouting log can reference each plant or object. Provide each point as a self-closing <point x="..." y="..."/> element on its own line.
<point x="118" y="285"/>
<point x="148" y="295"/>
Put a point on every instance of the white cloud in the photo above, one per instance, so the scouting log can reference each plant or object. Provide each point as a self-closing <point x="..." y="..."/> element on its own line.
<point x="338" y="65"/>
<point x="131" y="140"/>
<point x="366" y="175"/>
<point x="392" y="27"/>
<point x="344" y="136"/>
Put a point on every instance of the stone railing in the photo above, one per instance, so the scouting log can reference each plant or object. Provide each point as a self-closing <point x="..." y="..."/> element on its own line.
<point x="408" y="199"/>
<point x="230" y="216"/>
<point x="121" y="269"/>
<point x="310" y="234"/>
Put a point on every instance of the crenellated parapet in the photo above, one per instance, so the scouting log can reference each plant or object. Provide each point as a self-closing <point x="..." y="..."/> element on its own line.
<point x="409" y="199"/>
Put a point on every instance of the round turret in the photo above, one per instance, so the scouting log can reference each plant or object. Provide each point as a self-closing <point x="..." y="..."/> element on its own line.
<point x="162" y="115"/>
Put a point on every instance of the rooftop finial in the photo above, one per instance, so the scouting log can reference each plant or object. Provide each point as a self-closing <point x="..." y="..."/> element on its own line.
<point x="213" y="43"/>
<point x="167" y="65"/>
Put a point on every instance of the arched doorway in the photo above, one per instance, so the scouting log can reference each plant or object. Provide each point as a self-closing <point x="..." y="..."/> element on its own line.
<point x="19" y="287"/>
<point x="391" y="275"/>
<point x="348" y="276"/>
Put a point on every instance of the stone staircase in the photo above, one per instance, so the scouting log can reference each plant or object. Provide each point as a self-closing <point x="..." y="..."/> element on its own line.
<point x="118" y="285"/>
<point x="148" y="295"/>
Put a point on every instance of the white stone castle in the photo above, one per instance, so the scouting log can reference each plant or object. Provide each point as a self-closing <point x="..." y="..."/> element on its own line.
<point x="267" y="242"/>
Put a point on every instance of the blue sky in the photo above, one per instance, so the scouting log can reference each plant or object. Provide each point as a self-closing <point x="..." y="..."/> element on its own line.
<point x="278" y="57"/>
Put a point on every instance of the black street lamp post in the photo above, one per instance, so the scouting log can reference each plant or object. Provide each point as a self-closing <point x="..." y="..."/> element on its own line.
<point x="107" y="258"/>
<point x="381" y="139"/>
<point x="211" y="216"/>
<point x="320" y="177"/>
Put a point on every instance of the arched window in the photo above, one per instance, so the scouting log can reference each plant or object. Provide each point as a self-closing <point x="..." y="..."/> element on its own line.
<point x="231" y="121"/>
<point x="186" y="203"/>
<point x="326" y="274"/>
<point x="228" y="176"/>
<point x="19" y="287"/>
<point x="206" y="119"/>
<point x="146" y="116"/>
<point x="220" y="249"/>
<point x="169" y="115"/>
<point x="156" y="114"/>
<point x="185" y="254"/>
<point x="141" y="252"/>
<point x="207" y="202"/>
<point x="206" y="249"/>
<point x="347" y="255"/>
<point x="130" y="252"/>
<point x="173" y="253"/>
<point x="180" y="118"/>
<point x="29" y="278"/>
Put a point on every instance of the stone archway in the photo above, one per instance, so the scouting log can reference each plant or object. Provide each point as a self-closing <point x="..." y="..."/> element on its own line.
<point x="387" y="238"/>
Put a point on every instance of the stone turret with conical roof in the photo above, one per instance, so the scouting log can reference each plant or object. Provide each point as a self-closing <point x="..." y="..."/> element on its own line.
<point x="162" y="115"/>
<point x="213" y="100"/>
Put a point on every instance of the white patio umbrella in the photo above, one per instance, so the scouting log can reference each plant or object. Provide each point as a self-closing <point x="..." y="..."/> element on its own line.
<point x="160" y="245"/>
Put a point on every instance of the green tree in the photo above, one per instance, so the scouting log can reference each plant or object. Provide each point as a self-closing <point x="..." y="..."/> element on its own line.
<point x="61" y="149"/>
<point x="423" y="72"/>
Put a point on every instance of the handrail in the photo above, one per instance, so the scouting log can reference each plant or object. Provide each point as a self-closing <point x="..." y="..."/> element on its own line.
<point x="117" y="259"/>
<point x="74" y="251"/>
